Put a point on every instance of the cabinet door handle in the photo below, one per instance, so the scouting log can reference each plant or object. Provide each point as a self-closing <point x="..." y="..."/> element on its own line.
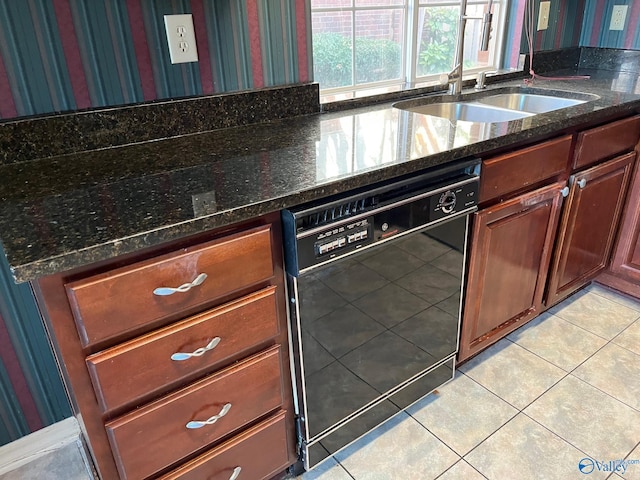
<point x="210" y="420"/>
<point x="179" y="356"/>
<point x="236" y="473"/>
<point x="163" y="291"/>
<point x="565" y="192"/>
<point x="582" y="182"/>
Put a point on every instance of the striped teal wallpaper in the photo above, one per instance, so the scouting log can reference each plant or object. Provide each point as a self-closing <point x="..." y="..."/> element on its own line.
<point x="597" y="17"/>
<point x="58" y="55"/>
<point x="565" y="25"/>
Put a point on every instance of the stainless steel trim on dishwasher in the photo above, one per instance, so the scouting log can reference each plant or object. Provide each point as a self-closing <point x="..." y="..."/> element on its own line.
<point x="375" y="280"/>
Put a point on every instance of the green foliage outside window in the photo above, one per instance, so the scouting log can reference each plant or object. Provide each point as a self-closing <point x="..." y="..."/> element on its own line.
<point x="376" y="60"/>
<point x="438" y="43"/>
<point x="380" y="59"/>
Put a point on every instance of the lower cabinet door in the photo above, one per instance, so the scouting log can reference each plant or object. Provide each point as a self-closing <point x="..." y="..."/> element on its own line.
<point x="159" y="435"/>
<point x="624" y="270"/>
<point x="509" y="260"/>
<point x="257" y="453"/>
<point x="589" y="225"/>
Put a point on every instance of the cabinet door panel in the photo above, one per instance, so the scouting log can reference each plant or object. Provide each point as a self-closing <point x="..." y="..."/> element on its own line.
<point x="624" y="271"/>
<point x="510" y="255"/>
<point x="588" y="227"/>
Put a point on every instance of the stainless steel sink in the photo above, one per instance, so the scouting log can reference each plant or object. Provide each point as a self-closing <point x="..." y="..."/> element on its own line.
<point x="500" y="105"/>
<point x="465" y="111"/>
<point x="529" y="102"/>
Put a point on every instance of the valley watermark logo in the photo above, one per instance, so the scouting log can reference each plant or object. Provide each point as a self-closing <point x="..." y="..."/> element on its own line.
<point x="588" y="465"/>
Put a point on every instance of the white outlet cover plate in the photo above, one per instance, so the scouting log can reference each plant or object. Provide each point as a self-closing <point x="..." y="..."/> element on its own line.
<point x="543" y="15"/>
<point x="618" y="17"/>
<point x="181" y="38"/>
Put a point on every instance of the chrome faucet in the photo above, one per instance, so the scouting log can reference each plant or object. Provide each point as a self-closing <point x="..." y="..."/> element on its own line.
<point x="454" y="77"/>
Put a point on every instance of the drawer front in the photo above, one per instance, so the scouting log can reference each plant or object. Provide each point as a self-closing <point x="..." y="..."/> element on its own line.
<point x="123" y="301"/>
<point x="135" y="371"/>
<point x="529" y="166"/>
<point x="156" y="436"/>
<point x="606" y="141"/>
<point x="256" y="454"/>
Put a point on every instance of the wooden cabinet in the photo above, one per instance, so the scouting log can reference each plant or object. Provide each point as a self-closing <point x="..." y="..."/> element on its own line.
<point x="529" y="249"/>
<point x="177" y="357"/>
<point x="624" y="270"/>
<point x="510" y="255"/>
<point x="588" y="227"/>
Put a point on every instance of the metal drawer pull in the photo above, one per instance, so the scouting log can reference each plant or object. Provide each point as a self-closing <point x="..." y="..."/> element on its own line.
<point x="236" y="473"/>
<point x="582" y="182"/>
<point x="212" y="420"/>
<point x="178" y="356"/>
<point x="163" y="291"/>
<point x="565" y="192"/>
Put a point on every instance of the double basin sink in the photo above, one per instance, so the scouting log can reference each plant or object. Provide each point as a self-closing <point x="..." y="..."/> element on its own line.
<point x="499" y="105"/>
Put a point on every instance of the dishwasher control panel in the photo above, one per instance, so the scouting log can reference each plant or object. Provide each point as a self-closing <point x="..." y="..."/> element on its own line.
<point x="317" y="234"/>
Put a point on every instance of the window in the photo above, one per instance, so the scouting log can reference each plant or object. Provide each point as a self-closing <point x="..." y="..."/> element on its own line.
<point x="364" y="47"/>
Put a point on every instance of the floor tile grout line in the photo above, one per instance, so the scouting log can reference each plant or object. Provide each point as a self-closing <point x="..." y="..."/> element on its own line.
<point x="583" y="328"/>
<point x="556" y="435"/>
<point x="629" y="298"/>
<point x="545" y="391"/>
<point x="568" y="442"/>
<point x="571" y="372"/>
<point x="577" y="366"/>
<point x="606" y="393"/>
<point x="461" y="460"/>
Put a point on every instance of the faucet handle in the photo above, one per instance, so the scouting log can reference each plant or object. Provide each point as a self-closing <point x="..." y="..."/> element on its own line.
<point x="481" y="79"/>
<point x="444" y="79"/>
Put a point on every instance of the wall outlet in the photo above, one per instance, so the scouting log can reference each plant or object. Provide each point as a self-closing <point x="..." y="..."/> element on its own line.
<point x="204" y="203"/>
<point x="181" y="38"/>
<point x="618" y="17"/>
<point x="543" y="15"/>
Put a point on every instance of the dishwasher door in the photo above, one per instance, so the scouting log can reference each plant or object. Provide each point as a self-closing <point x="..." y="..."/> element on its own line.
<point x="374" y="332"/>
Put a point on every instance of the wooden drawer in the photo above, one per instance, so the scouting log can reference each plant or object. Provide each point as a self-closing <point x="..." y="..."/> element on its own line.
<point x="517" y="170"/>
<point x="606" y="141"/>
<point x="133" y="372"/>
<point x="156" y="436"/>
<point x="123" y="301"/>
<point x="257" y="453"/>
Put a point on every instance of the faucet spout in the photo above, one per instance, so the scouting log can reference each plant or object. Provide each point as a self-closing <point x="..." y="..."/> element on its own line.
<point x="454" y="78"/>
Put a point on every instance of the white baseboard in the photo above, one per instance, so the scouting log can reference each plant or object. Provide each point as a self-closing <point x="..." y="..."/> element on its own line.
<point x="39" y="443"/>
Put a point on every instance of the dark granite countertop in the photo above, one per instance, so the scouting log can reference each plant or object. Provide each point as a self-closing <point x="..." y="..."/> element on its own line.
<point x="69" y="210"/>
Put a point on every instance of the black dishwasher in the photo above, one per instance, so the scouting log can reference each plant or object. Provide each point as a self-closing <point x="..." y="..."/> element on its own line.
<point x="374" y="281"/>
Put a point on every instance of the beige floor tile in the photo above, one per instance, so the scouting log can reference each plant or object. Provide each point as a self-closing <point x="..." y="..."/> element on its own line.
<point x="525" y="450"/>
<point x="630" y="338"/>
<point x="399" y="449"/>
<point x="461" y="471"/>
<point x="595" y="313"/>
<point x="557" y="341"/>
<point x="330" y="469"/>
<point x="512" y="373"/>
<point x="617" y="297"/>
<point x="633" y="464"/>
<point x="463" y="414"/>
<point x="616" y="371"/>
<point x="611" y="431"/>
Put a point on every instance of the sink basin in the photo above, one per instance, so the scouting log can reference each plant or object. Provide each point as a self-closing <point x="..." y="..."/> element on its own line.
<point x="529" y="102"/>
<point x="465" y="111"/>
<point x="493" y="106"/>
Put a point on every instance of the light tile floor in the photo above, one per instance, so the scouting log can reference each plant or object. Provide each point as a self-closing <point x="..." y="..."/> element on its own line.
<point x="563" y="389"/>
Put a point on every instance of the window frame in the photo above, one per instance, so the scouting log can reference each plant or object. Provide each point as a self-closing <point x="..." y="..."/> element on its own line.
<point x="410" y="48"/>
